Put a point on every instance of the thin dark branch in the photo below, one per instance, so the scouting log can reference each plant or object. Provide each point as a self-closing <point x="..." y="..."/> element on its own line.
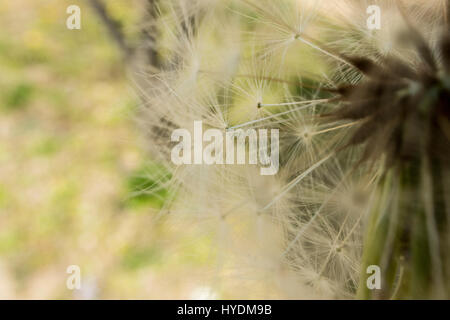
<point x="447" y="13"/>
<point x="150" y="34"/>
<point x="113" y="27"/>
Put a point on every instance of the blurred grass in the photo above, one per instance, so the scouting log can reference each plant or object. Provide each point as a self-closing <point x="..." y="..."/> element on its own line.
<point x="72" y="171"/>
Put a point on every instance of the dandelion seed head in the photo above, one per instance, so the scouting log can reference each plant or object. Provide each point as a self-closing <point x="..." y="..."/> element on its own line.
<point x="303" y="228"/>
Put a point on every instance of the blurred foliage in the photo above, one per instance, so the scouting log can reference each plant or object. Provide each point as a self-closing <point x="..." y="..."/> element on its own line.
<point x="147" y="191"/>
<point x="74" y="181"/>
<point x="18" y="96"/>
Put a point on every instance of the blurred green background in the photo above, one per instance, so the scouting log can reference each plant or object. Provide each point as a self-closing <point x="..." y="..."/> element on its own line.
<point x="72" y="163"/>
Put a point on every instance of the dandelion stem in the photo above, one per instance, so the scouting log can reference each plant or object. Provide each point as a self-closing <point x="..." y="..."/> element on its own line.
<point x="291" y="103"/>
<point x="294" y="182"/>
<point x="312" y="103"/>
<point x="399" y="282"/>
<point x="337" y="127"/>
<point x="305" y="226"/>
<point x="326" y="52"/>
